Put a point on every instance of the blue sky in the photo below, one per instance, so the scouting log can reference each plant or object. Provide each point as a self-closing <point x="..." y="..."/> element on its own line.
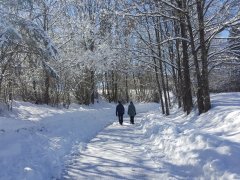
<point x="224" y="33"/>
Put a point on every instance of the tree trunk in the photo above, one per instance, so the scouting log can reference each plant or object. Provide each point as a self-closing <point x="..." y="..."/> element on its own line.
<point x="47" y="85"/>
<point x="158" y="39"/>
<point x="199" y="78"/>
<point x="206" y="96"/>
<point x="92" y="87"/>
<point x="187" y="94"/>
<point x="127" y="95"/>
<point x="167" y="86"/>
<point x="107" y="87"/>
<point x="157" y="75"/>
<point x="159" y="86"/>
<point x="135" y="84"/>
<point x="179" y="78"/>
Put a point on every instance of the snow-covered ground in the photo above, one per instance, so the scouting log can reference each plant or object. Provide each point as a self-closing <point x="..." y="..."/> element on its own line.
<point x="36" y="140"/>
<point x="197" y="147"/>
<point x="40" y="142"/>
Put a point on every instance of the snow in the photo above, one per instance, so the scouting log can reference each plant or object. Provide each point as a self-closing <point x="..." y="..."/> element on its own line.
<point x="205" y="146"/>
<point x="116" y="153"/>
<point x="86" y="142"/>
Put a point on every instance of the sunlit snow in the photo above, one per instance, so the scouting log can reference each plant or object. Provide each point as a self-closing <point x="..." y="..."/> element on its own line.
<point x="86" y="142"/>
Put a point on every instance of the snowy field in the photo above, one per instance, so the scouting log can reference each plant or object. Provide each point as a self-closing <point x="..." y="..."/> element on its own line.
<point x="40" y="142"/>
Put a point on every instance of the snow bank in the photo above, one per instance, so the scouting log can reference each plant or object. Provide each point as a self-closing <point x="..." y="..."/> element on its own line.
<point x="35" y="139"/>
<point x="197" y="147"/>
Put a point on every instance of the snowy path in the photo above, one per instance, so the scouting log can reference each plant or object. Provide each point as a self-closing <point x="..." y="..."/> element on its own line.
<point x="115" y="153"/>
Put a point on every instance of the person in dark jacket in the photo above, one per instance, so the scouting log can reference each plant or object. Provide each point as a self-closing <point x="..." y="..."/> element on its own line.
<point x="120" y="112"/>
<point x="131" y="112"/>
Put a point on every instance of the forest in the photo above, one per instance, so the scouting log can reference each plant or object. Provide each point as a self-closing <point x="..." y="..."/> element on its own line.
<point x="57" y="52"/>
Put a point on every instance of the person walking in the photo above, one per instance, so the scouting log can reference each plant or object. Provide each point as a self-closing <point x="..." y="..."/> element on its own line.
<point x="120" y="112"/>
<point x="131" y="112"/>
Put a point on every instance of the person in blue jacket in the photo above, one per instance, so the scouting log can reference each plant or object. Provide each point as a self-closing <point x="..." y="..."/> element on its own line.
<point x="131" y="112"/>
<point x="120" y="112"/>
